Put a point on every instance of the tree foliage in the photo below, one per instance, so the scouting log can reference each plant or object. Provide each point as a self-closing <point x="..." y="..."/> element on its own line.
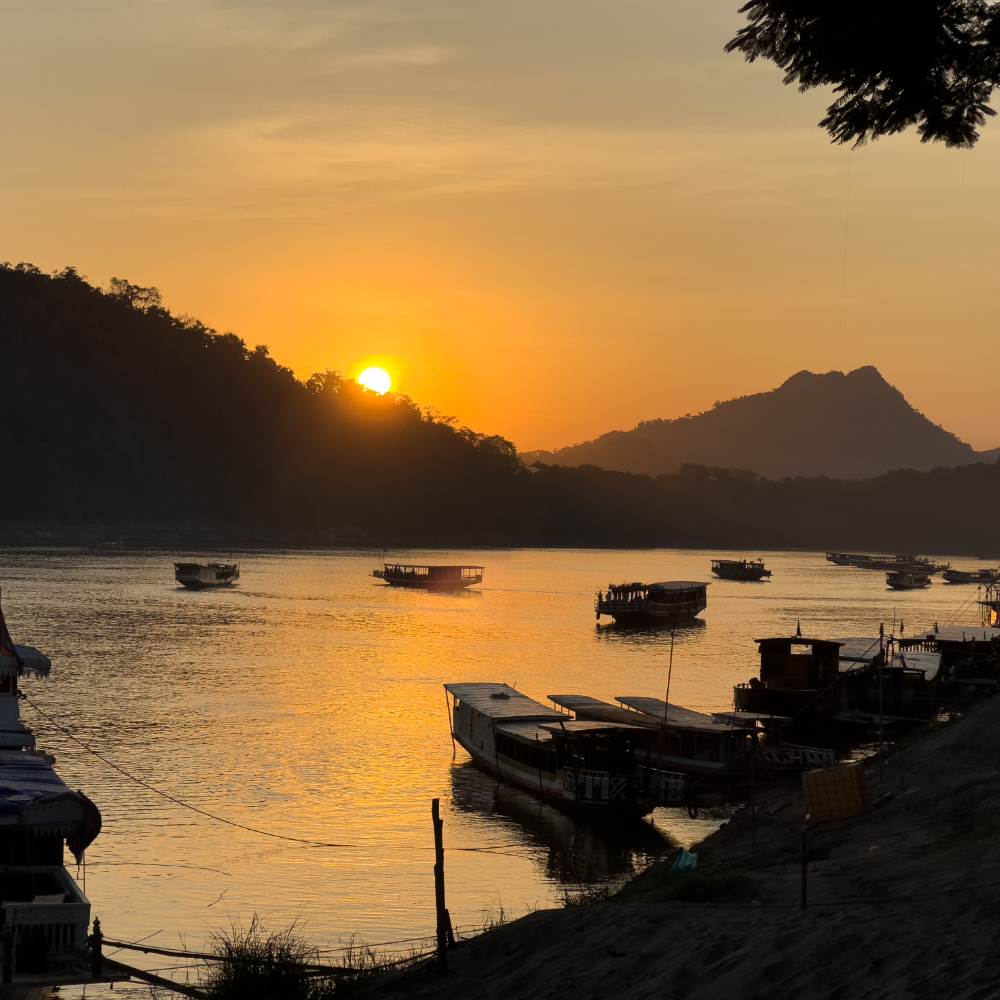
<point x="116" y="412"/>
<point x="932" y="64"/>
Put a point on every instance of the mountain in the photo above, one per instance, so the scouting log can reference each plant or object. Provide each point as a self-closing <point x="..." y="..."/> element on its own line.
<point x="851" y="426"/>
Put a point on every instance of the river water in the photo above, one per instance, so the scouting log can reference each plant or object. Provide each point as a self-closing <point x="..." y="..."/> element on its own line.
<point x="307" y="702"/>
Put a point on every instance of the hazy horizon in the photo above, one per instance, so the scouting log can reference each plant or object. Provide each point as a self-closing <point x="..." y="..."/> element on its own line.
<point x="549" y="220"/>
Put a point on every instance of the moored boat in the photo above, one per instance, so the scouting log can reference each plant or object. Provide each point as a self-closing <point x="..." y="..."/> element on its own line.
<point x="900" y="580"/>
<point x="982" y="576"/>
<point x="429" y="577"/>
<point x="46" y="910"/>
<point x="577" y="764"/>
<point x="740" y="569"/>
<point x="653" y="603"/>
<point x="196" y="576"/>
<point x="722" y="747"/>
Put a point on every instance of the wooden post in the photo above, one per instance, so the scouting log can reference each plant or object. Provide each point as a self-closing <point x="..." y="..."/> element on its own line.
<point x="442" y="914"/>
<point x="8" y="953"/>
<point x="95" y="941"/>
<point x="804" y="868"/>
<point x="753" y="793"/>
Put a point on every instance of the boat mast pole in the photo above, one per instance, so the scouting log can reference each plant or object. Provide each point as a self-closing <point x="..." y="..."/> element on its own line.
<point x="670" y="670"/>
<point x="881" y="660"/>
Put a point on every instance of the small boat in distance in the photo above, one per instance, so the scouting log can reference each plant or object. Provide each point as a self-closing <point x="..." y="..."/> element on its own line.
<point x="652" y="603"/>
<point x="429" y="577"/>
<point x="907" y="581"/>
<point x="971" y="576"/>
<point x="898" y="563"/>
<point x="740" y="569"/>
<point x="194" y="576"/>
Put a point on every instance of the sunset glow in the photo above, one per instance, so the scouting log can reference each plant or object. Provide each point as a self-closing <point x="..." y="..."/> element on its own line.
<point x="376" y="379"/>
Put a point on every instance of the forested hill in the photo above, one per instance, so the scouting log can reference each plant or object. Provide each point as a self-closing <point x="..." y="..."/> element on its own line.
<point x="846" y="426"/>
<point x="115" y="412"/>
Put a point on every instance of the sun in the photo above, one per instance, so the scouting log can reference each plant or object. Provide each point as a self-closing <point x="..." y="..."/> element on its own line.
<point x="376" y="379"/>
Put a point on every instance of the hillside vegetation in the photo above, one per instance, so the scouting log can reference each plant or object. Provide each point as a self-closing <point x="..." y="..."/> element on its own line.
<point x="844" y="426"/>
<point x="117" y="412"/>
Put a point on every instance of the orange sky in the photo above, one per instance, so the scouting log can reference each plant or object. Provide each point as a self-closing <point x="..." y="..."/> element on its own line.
<point x="550" y="219"/>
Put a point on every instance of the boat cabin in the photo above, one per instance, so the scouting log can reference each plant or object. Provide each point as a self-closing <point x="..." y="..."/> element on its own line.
<point x="740" y="569"/>
<point x="429" y="577"/>
<point x="195" y="576"/>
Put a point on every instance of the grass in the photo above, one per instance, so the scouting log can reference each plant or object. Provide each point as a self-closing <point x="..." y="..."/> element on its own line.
<point x="255" y="963"/>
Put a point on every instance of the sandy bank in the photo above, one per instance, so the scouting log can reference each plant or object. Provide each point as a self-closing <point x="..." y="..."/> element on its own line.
<point x="903" y="901"/>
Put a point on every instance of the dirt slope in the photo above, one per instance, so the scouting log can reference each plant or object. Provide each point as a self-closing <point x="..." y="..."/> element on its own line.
<point x="903" y="901"/>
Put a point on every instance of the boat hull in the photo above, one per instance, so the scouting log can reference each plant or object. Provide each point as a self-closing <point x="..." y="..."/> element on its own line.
<point x="554" y="792"/>
<point x="431" y="584"/>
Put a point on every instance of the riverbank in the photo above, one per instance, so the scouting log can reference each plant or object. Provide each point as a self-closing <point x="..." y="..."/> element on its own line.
<point x="902" y="900"/>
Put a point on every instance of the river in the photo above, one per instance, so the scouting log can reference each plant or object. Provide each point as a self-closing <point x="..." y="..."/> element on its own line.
<point x="306" y="701"/>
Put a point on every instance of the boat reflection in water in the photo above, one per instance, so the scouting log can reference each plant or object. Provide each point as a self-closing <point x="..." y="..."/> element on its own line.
<point x="570" y="853"/>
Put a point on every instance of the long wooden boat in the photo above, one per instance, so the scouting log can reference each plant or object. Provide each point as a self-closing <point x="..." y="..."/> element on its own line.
<point x="983" y="576"/>
<point x="577" y="764"/>
<point x="195" y="576"/>
<point x="429" y="577"/>
<point x="740" y="569"/>
<point x="653" y="603"/>
<point x="897" y="563"/>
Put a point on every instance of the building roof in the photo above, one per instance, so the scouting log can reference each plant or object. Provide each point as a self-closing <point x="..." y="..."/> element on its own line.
<point x="501" y="701"/>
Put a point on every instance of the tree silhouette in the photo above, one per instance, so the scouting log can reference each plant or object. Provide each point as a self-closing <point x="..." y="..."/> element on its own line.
<point x="932" y="64"/>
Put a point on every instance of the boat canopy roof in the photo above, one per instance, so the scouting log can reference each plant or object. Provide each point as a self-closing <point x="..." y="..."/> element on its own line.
<point x="398" y="565"/>
<point x="32" y="794"/>
<point x="34" y="661"/>
<point x="532" y="731"/>
<point x="677" y="717"/>
<point x="583" y="727"/>
<point x="737" y="562"/>
<point x="955" y="633"/>
<point x="821" y="647"/>
<point x="591" y="708"/>
<point x="500" y="701"/>
<point x="679" y="585"/>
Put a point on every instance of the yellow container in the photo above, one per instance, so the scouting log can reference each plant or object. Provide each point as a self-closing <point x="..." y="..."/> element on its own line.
<point x="836" y="791"/>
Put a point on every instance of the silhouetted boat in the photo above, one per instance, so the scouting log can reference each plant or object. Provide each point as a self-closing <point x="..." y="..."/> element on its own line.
<point x="429" y="577"/>
<point x="898" y="563"/>
<point x="46" y="913"/>
<point x="652" y="603"/>
<point x="720" y="746"/>
<point x="194" y="576"/>
<point x="740" y="569"/>
<point x="577" y="764"/>
<point x="970" y="576"/>
<point x="899" y="580"/>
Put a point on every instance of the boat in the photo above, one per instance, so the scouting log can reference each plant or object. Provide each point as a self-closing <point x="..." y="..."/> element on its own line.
<point x="429" y="577"/>
<point x="900" y="580"/>
<point x="652" y="603"/>
<point x="740" y="569"/>
<point x="48" y="913"/>
<point x="897" y="563"/>
<point x="720" y="747"/>
<point x="578" y="764"/>
<point x="194" y="576"/>
<point x="798" y="676"/>
<point x="983" y="576"/>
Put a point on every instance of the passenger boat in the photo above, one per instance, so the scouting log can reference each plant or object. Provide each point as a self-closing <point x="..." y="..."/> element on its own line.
<point x="652" y="603"/>
<point x="194" y="576"/>
<point x="578" y="764"/>
<point x="983" y="576"/>
<point x="740" y="569"/>
<point x="717" y="747"/>
<point x="429" y="577"/>
<point x="47" y="912"/>
<point x="900" y="580"/>
<point x="898" y="563"/>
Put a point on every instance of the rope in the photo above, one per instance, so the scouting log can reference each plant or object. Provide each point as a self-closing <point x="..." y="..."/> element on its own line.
<point x="494" y="848"/>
